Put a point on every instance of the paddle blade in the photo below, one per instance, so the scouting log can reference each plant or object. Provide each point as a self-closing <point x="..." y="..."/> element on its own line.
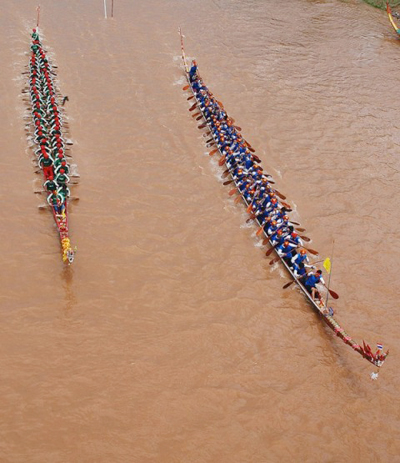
<point x="269" y="252"/>
<point x="186" y="87"/>
<point x="196" y="114"/>
<point x="238" y="199"/>
<point x="190" y="97"/>
<point x="333" y="294"/>
<point x="260" y="231"/>
<point x="232" y="192"/>
<point x="280" y="195"/>
<point x="300" y="229"/>
<point x="228" y="182"/>
<point x="287" y="284"/>
<point x="193" y="107"/>
<point x="305" y="238"/>
<point x="211" y="153"/>
<point x="253" y="151"/>
<point x="265" y="241"/>
<point x="199" y="117"/>
<point x="274" y="261"/>
<point x="312" y="251"/>
<point x="225" y="174"/>
<point x="239" y="129"/>
<point x="202" y="126"/>
<point x="221" y="162"/>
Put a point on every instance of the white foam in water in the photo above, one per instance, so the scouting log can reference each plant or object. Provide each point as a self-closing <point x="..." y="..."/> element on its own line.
<point x="179" y="81"/>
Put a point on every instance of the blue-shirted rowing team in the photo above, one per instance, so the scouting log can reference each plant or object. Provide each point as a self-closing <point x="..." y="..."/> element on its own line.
<point x="48" y="123"/>
<point x="253" y="184"/>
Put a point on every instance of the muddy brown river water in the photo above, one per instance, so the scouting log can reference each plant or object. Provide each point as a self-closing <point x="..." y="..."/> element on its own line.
<point x="170" y="339"/>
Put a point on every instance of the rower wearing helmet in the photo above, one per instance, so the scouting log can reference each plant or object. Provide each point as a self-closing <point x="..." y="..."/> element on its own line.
<point x="301" y="257"/>
<point x="64" y="166"/>
<point x="50" y="184"/>
<point x="59" y="159"/>
<point x="277" y="238"/>
<point x="285" y="251"/>
<point x="62" y="177"/>
<point x="272" y="228"/>
<point x="274" y="205"/>
<point x="295" y="239"/>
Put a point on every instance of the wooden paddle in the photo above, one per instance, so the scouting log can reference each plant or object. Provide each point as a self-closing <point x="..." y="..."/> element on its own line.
<point x="333" y="293"/>
<point x="211" y="153"/>
<point x="288" y="284"/>
<point x="221" y="162"/>
<point x="239" y="129"/>
<point x="199" y="117"/>
<point x="280" y="194"/>
<point x="193" y="107"/>
<point x="186" y="87"/>
<point x="233" y="191"/>
<point x="225" y="174"/>
<point x="228" y="182"/>
<point x="238" y="199"/>
<point x="196" y="114"/>
<point x="190" y="97"/>
<point x="305" y="238"/>
<point x="259" y="232"/>
<point x="202" y="125"/>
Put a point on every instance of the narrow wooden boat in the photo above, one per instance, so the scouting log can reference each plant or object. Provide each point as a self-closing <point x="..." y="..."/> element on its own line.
<point x="47" y="124"/>
<point x="391" y="19"/>
<point x="326" y="313"/>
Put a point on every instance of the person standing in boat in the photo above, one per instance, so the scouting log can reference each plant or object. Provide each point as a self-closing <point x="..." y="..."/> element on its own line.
<point x="47" y="165"/>
<point x="193" y="72"/>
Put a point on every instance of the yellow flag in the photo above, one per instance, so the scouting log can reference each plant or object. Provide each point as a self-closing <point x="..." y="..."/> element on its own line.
<point x="327" y="265"/>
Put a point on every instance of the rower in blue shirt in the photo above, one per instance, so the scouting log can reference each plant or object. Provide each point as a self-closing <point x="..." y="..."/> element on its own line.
<point x="301" y="257"/>
<point x="285" y="251"/>
<point x="311" y="281"/>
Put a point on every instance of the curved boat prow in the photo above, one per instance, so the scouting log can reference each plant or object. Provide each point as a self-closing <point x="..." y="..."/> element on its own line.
<point x="392" y="22"/>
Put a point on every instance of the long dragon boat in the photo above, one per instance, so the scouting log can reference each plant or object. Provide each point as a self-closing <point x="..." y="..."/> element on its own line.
<point x="213" y="114"/>
<point x="391" y="18"/>
<point x="49" y="143"/>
